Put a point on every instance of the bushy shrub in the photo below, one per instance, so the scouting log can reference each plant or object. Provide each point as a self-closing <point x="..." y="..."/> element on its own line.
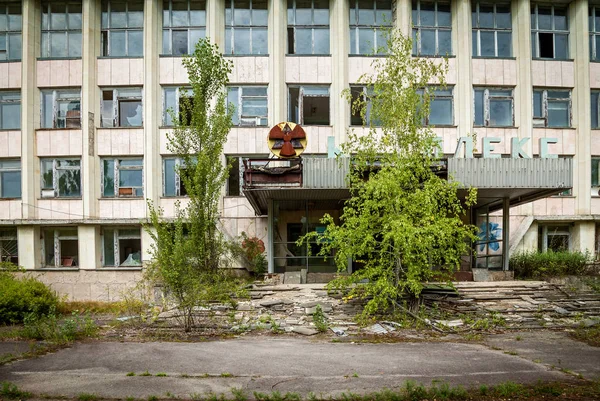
<point x="52" y="327"/>
<point x="548" y="264"/>
<point x="20" y="297"/>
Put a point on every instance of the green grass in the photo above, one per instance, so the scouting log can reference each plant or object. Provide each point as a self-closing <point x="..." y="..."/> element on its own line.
<point x="146" y="373"/>
<point x="130" y="374"/>
<point x="161" y="374"/>
<point x="12" y="392"/>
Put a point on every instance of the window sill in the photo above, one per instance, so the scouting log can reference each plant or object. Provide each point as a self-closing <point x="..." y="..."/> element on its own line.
<point x="10" y="129"/>
<point x="175" y="197"/>
<point x="567" y="196"/>
<point x="569" y="128"/>
<point x="118" y="57"/>
<point x="10" y="199"/>
<point x="308" y="55"/>
<point x="121" y="198"/>
<point x="234" y="196"/>
<point x="496" y="126"/>
<point x="492" y="58"/>
<point x="58" y="129"/>
<point x="316" y="125"/>
<point x="249" y="126"/>
<point x="61" y="198"/>
<point x="57" y="58"/>
<point x="245" y="55"/>
<point x="551" y="59"/>
<point x="110" y="128"/>
<point x="117" y="268"/>
<point x="431" y="56"/>
<point x="10" y="61"/>
<point x="54" y="269"/>
<point x="442" y="126"/>
<point x="369" y="55"/>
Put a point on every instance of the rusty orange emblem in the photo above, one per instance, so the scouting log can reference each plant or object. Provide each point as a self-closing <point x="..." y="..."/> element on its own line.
<point x="287" y="140"/>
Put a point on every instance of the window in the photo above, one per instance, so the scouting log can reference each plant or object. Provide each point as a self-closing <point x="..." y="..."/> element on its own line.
<point x="250" y="105"/>
<point x="432" y="28"/>
<point x="308" y="26"/>
<point x="555" y="238"/>
<point x="595" y="176"/>
<point x="10" y="179"/>
<point x="440" y="106"/>
<point x="122" y="28"/>
<point x="493" y="107"/>
<point x="61" y="109"/>
<point x="9" y="250"/>
<point x="492" y="30"/>
<point x="364" y="93"/>
<point x="10" y="110"/>
<point x="122" y="178"/>
<point x="61" y="29"/>
<point x="309" y="105"/>
<point x="234" y="180"/>
<point x="246" y="27"/>
<point x="549" y="32"/>
<point x="551" y="108"/>
<point x="595" y="109"/>
<point x="178" y="102"/>
<point x="174" y="184"/>
<point x="368" y="21"/>
<point x="594" y="22"/>
<point x="122" y="107"/>
<point x="184" y="24"/>
<point x="61" y="247"/>
<point x="10" y="31"/>
<point x="61" y="178"/>
<point x="122" y="247"/>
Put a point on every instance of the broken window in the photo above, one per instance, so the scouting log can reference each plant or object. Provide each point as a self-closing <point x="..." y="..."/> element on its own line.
<point x="122" y="178"/>
<point x="10" y="179"/>
<point x="594" y="22"/>
<point x="122" y="247"/>
<point x="122" y="107"/>
<point x="61" y="29"/>
<point x="552" y="108"/>
<point x="492" y="30"/>
<point x="432" y="28"/>
<point x="122" y="28"/>
<point x="356" y="117"/>
<point x="368" y="21"/>
<point x="184" y="24"/>
<point x="308" y="27"/>
<point x="61" y="247"/>
<point x="246" y="27"/>
<point x="549" y="32"/>
<point x="309" y="105"/>
<point x="10" y="110"/>
<point x="234" y="180"/>
<point x="60" y="178"/>
<point x="250" y="106"/>
<point x="174" y="184"/>
<point x="595" y="176"/>
<point x="440" y="106"/>
<point x="9" y="250"/>
<point x="595" y="109"/>
<point x="177" y="102"/>
<point x="10" y="31"/>
<point x="554" y="238"/>
<point x="493" y="107"/>
<point x="61" y="109"/>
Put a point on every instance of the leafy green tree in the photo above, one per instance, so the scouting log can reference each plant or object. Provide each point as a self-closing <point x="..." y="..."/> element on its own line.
<point x="189" y="251"/>
<point x="403" y="223"/>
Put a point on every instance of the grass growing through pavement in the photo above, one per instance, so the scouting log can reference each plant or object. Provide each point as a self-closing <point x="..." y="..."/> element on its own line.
<point x="589" y="335"/>
<point x="12" y="392"/>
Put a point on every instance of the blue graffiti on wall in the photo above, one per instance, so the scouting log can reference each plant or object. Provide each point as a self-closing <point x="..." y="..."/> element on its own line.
<point x="490" y="232"/>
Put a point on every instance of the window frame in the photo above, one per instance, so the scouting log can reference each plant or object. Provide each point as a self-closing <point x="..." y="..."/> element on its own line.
<point x="434" y="89"/>
<point x="356" y="27"/>
<point x="117" y="168"/>
<point x="55" y="109"/>
<point x="4" y="102"/>
<point x="180" y="92"/>
<point x="10" y="32"/>
<point x="293" y="26"/>
<point x="487" y="115"/>
<point x="117" y="246"/>
<point x="545" y="110"/>
<point x="230" y="27"/>
<point x="45" y="191"/>
<point x="417" y="28"/>
<point x="558" y="230"/>
<point x="476" y="30"/>
<point x="595" y="93"/>
<point x="535" y="31"/>
<point x="178" y="166"/>
<point x="56" y="240"/>
<point x="594" y="36"/>
<point x="116" y="102"/>
<point x="168" y="28"/>
<point x="106" y="29"/>
<point x="366" y="93"/>
<point x="6" y="236"/>
<point x="301" y="96"/>
<point x="68" y="31"/>
<point x="239" y="116"/>
<point x="5" y="169"/>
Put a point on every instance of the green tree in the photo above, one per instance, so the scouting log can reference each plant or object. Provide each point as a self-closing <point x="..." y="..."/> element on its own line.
<point x="403" y="222"/>
<point x="189" y="251"/>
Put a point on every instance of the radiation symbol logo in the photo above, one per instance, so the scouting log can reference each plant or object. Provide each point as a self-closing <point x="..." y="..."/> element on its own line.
<point x="287" y="140"/>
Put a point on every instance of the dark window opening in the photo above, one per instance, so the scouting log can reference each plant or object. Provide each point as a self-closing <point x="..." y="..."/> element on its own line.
<point x="546" y="45"/>
<point x="233" y="181"/>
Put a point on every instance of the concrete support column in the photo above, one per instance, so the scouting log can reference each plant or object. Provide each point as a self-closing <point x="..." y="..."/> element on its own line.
<point x="340" y="48"/>
<point x="215" y="21"/>
<point x="584" y="236"/>
<point x="579" y="51"/>
<point x="461" y="43"/>
<point x="90" y="247"/>
<point x="277" y="51"/>
<point x="402" y="17"/>
<point x="270" y="238"/>
<point x="505" y="233"/>
<point x="29" y="247"/>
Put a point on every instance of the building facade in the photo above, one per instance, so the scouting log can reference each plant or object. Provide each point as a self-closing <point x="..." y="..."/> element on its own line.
<point x="85" y="87"/>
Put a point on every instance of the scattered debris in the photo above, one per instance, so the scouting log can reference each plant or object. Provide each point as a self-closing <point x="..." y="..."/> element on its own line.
<point x="305" y="331"/>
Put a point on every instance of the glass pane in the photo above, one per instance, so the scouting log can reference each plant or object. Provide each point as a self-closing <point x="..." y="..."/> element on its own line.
<point x="49" y="248"/>
<point x="443" y="15"/>
<point x="3" y="20"/>
<point x="427" y="40"/>
<point x="180" y="42"/>
<point x="366" y="12"/>
<point x="504" y="44"/>
<point x="488" y="44"/>
<point x="10" y="183"/>
<point x="366" y="41"/>
<point x="427" y="14"/>
<point x="537" y="104"/>
<point x="486" y="16"/>
<point x="75" y="16"/>
<point x="479" y="113"/>
<point x="11" y="116"/>
<point x="117" y="43"/>
<point x="166" y="16"/>
<point x="440" y="112"/>
<point x="169" y="106"/>
<point x="558" y="114"/>
<point x="69" y="253"/>
<point x="58" y="16"/>
<point x="129" y="233"/>
<point x="47" y="120"/>
<point x="444" y="42"/>
<point x="321" y="41"/>
<point x="135" y="14"/>
<point x="135" y="43"/>
<point x="130" y="113"/>
<point x="594" y="110"/>
<point x="118" y="15"/>
<point x="560" y="19"/>
<point x="195" y="36"/>
<point x="561" y="46"/>
<point x="241" y="43"/>
<point x="544" y="18"/>
<point x="501" y="113"/>
<point x="14" y="46"/>
<point x="47" y="174"/>
<point x="241" y="13"/>
<point x="74" y="44"/>
<point x="179" y="13"/>
<point x="303" y="41"/>
<point x="228" y="40"/>
<point x="474" y="43"/>
<point x="69" y="183"/>
<point x="316" y="90"/>
<point x="104" y="22"/>
<point x="198" y="13"/>
<point x="260" y="16"/>
<point x="353" y="33"/>
<point x="321" y="12"/>
<point x="108" y="174"/>
<point x="381" y="45"/>
<point x="14" y="17"/>
<point x="255" y="91"/>
<point x="170" y="177"/>
<point x="383" y="14"/>
<point x="166" y="39"/>
<point x="253" y="107"/>
<point x="130" y="178"/>
<point x="108" y="237"/>
<point x="259" y="41"/>
<point x="303" y="12"/>
<point x="558" y="94"/>
<point x="597" y="47"/>
<point x="503" y="19"/>
<point x="232" y="104"/>
<point x="58" y="44"/>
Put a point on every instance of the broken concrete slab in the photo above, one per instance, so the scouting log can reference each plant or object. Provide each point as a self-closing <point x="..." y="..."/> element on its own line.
<point x="271" y="302"/>
<point x="305" y="331"/>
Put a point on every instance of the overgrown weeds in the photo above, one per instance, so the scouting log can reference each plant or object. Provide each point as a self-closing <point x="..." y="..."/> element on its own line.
<point x="12" y="392"/>
<point x="319" y="319"/>
<point x="589" y="335"/>
<point x="536" y="265"/>
<point x="52" y="327"/>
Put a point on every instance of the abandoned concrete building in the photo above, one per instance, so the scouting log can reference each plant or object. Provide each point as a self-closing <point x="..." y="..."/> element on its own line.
<point x="85" y="85"/>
